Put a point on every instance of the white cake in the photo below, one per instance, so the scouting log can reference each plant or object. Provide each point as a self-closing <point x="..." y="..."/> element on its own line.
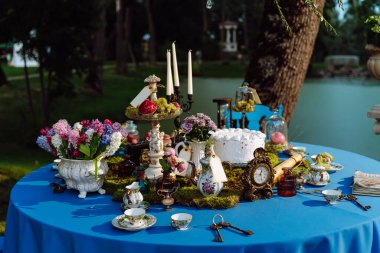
<point x="237" y="145"/>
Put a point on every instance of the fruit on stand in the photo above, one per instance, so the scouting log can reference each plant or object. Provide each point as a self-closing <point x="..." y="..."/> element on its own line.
<point x="160" y="107"/>
<point x="147" y="107"/>
<point x="245" y="106"/>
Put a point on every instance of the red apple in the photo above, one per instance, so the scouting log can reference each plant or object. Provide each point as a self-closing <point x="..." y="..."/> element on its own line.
<point x="147" y="107"/>
<point x="277" y="138"/>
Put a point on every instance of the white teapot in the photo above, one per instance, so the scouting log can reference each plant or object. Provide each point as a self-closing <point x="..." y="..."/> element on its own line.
<point x="132" y="197"/>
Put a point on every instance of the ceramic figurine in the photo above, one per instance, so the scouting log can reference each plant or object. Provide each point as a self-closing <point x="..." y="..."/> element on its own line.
<point x="132" y="197"/>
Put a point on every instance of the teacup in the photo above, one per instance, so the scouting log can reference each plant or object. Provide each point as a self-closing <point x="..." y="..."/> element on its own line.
<point x="181" y="221"/>
<point x="132" y="217"/>
<point x="331" y="196"/>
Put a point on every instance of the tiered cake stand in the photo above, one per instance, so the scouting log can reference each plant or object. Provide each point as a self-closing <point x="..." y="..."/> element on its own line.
<point x="156" y="142"/>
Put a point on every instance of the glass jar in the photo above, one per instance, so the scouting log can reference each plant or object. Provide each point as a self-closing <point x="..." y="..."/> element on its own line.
<point x="276" y="131"/>
<point x="287" y="185"/>
<point x="244" y="101"/>
<point x="133" y="133"/>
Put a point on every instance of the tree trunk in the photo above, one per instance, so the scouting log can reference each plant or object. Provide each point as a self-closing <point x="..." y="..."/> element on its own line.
<point x="3" y="77"/>
<point x="245" y="26"/>
<point x="28" y="90"/>
<point x="278" y="67"/>
<point x="44" y="95"/>
<point x="152" y="33"/>
<point x="121" y="61"/>
<point x="95" y="71"/>
<point x="128" y="31"/>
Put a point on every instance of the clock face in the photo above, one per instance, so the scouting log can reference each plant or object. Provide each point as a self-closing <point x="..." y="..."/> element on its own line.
<point x="261" y="175"/>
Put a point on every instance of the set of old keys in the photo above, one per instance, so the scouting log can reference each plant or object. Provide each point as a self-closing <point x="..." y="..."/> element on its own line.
<point x="222" y="224"/>
<point x="355" y="200"/>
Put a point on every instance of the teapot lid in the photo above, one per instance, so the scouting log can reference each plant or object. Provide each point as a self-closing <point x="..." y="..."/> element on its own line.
<point x="134" y="185"/>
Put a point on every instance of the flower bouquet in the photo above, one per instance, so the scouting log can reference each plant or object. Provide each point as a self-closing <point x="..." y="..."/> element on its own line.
<point x="197" y="127"/>
<point x="171" y="163"/>
<point x="82" y="148"/>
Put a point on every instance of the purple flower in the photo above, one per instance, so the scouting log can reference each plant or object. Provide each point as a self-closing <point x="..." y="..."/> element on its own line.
<point x="187" y="127"/>
<point x="97" y="126"/>
<point x="200" y="115"/>
<point x="212" y="126"/>
<point x="116" y="126"/>
<point x="200" y="123"/>
<point x="124" y="132"/>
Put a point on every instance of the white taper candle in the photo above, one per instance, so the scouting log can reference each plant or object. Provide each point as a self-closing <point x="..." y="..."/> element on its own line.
<point x="189" y="75"/>
<point x="169" y="78"/>
<point x="175" y="66"/>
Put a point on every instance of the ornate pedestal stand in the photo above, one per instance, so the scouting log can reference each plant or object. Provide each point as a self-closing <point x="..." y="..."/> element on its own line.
<point x="156" y="142"/>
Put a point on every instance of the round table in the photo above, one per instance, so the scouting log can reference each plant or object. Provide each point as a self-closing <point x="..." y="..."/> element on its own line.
<point x="41" y="221"/>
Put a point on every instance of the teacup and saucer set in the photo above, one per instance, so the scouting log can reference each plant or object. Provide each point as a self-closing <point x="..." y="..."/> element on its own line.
<point x="134" y="219"/>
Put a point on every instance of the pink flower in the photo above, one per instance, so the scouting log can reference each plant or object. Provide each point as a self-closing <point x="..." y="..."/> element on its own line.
<point x="181" y="167"/>
<point x="169" y="152"/>
<point x="62" y="128"/>
<point x="172" y="160"/>
<point x="73" y="137"/>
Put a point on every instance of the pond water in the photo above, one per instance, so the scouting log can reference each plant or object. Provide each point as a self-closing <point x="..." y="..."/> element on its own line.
<point x="330" y="112"/>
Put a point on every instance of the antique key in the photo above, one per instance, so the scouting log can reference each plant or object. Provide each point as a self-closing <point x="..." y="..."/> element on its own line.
<point x="216" y="227"/>
<point x="227" y="224"/>
<point x="355" y="200"/>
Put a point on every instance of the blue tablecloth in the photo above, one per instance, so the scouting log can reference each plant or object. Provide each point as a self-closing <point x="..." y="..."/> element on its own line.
<point x="41" y="221"/>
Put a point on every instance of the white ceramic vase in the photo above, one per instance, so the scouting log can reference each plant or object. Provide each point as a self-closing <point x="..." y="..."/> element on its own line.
<point x="80" y="175"/>
<point x="197" y="150"/>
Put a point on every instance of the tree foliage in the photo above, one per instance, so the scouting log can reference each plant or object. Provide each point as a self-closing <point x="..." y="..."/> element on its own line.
<point x="57" y="34"/>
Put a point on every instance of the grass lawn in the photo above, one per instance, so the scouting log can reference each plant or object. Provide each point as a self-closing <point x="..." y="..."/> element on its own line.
<point x="18" y="152"/>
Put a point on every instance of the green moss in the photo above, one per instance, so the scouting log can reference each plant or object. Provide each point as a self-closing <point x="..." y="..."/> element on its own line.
<point x="273" y="158"/>
<point x="188" y="194"/>
<point x="113" y="184"/>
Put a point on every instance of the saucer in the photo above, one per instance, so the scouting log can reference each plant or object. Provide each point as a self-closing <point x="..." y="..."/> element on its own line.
<point x="143" y="204"/>
<point x="335" y="167"/>
<point x="148" y="221"/>
<point x="317" y="184"/>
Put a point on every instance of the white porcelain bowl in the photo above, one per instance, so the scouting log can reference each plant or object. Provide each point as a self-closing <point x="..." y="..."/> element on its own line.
<point x="331" y="196"/>
<point x="181" y="221"/>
